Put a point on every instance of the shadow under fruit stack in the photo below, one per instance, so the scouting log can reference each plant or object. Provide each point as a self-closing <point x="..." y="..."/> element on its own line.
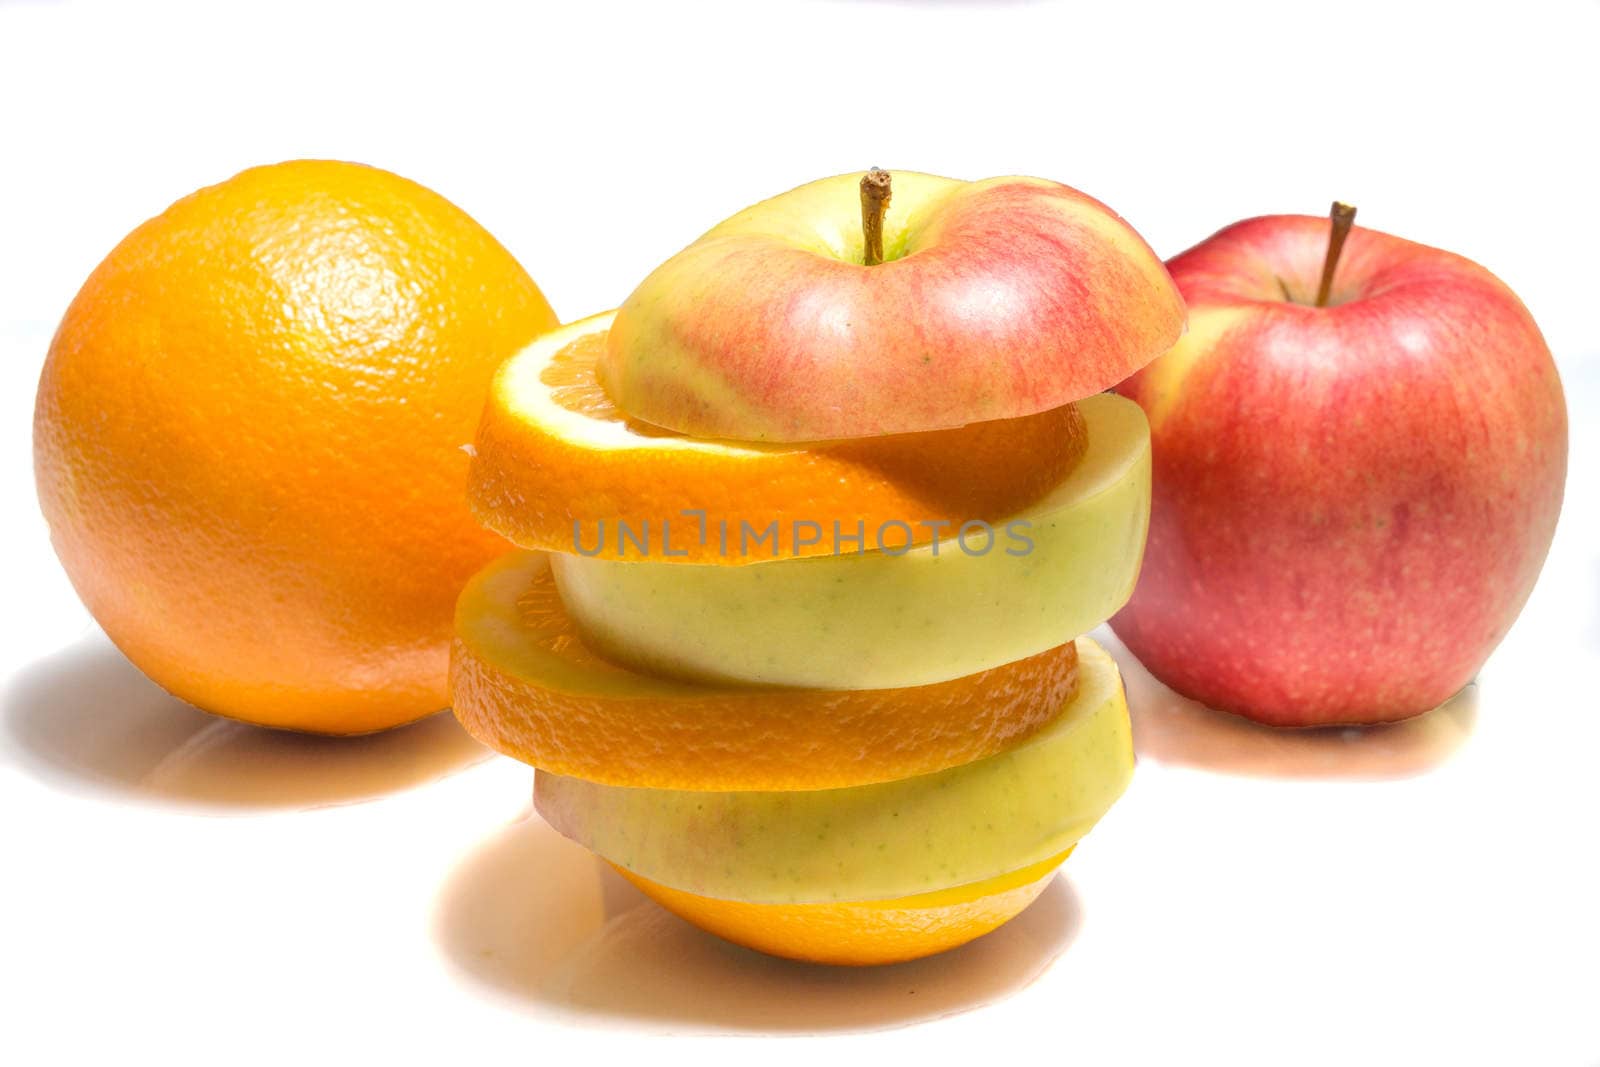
<point x="816" y="518"/>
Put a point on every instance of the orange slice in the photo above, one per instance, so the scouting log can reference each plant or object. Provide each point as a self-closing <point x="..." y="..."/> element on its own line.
<point x="558" y="466"/>
<point x="863" y="932"/>
<point x="524" y="684"/>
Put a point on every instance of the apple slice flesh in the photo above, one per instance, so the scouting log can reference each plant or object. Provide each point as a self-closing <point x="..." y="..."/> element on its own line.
<point x="891" y="839"/>
<point x="881" y="620"/>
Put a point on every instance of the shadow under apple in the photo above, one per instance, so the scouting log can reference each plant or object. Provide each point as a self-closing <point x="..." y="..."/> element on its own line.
<point x="88" y="718"/>
<point x="1172" y="729"/>
<point x="542" y="920"/>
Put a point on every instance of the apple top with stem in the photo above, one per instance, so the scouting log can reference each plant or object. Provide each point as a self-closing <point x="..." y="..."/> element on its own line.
<point x="1321" y="302"/>
<point x="994" y="299"/>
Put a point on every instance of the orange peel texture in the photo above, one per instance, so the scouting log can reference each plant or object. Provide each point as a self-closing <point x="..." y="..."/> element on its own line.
<point x="248" y="435"/>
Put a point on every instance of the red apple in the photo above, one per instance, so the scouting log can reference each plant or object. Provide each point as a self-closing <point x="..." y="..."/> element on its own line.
<point x="992" y="300"/>
<point x="1351" y="501"/>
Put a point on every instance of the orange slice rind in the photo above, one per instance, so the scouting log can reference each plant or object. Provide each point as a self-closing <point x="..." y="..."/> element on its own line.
<point x="558" y="466"/>
<point x="524" y="683"/>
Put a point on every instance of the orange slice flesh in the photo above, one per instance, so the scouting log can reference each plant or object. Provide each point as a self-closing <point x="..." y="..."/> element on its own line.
<point x="862" y="933"/>
<point x="524" y="683"/>
<point x="558" y="466"/>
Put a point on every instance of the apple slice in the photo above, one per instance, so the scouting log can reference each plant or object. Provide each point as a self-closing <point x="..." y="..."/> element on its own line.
<point x="887" y="619"/>
<point x="893" y="839"/>
<point x="996" y="299"/>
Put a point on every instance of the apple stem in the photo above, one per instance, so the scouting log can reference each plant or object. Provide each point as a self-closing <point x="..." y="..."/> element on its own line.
<point x="1342" y="216"/>
<point x="874" y="202"/>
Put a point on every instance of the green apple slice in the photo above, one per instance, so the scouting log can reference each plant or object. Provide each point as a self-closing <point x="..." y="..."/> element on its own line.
<point x="890" y="619"/>
<point x="871" y="842"/>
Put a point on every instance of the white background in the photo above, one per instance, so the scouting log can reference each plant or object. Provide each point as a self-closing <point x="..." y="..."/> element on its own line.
<point x="190" y="891"/>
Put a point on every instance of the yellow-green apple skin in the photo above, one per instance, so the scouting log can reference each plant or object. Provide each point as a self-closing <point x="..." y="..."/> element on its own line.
<point x="871" y="842"/>
<point x="885" y="619"/>
<point x="997" y="299"/>
<point x="1351" y="503"/>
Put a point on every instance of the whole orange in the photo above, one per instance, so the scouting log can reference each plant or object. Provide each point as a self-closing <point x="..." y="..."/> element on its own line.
<point x="249" y="440"/>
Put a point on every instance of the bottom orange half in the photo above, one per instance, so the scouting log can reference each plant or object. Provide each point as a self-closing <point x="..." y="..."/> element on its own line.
<point x="867" y="932"/>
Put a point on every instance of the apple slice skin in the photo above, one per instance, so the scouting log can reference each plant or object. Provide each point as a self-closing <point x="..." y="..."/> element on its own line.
<point x="1351" y="503"/>
<point x="891" y="839"/>
<point x="1000" y="298"/>
<point x="881" y="621"/>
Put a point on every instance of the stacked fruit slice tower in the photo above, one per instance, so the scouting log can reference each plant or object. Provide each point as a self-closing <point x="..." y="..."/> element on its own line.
<point x="818" y="515"/>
